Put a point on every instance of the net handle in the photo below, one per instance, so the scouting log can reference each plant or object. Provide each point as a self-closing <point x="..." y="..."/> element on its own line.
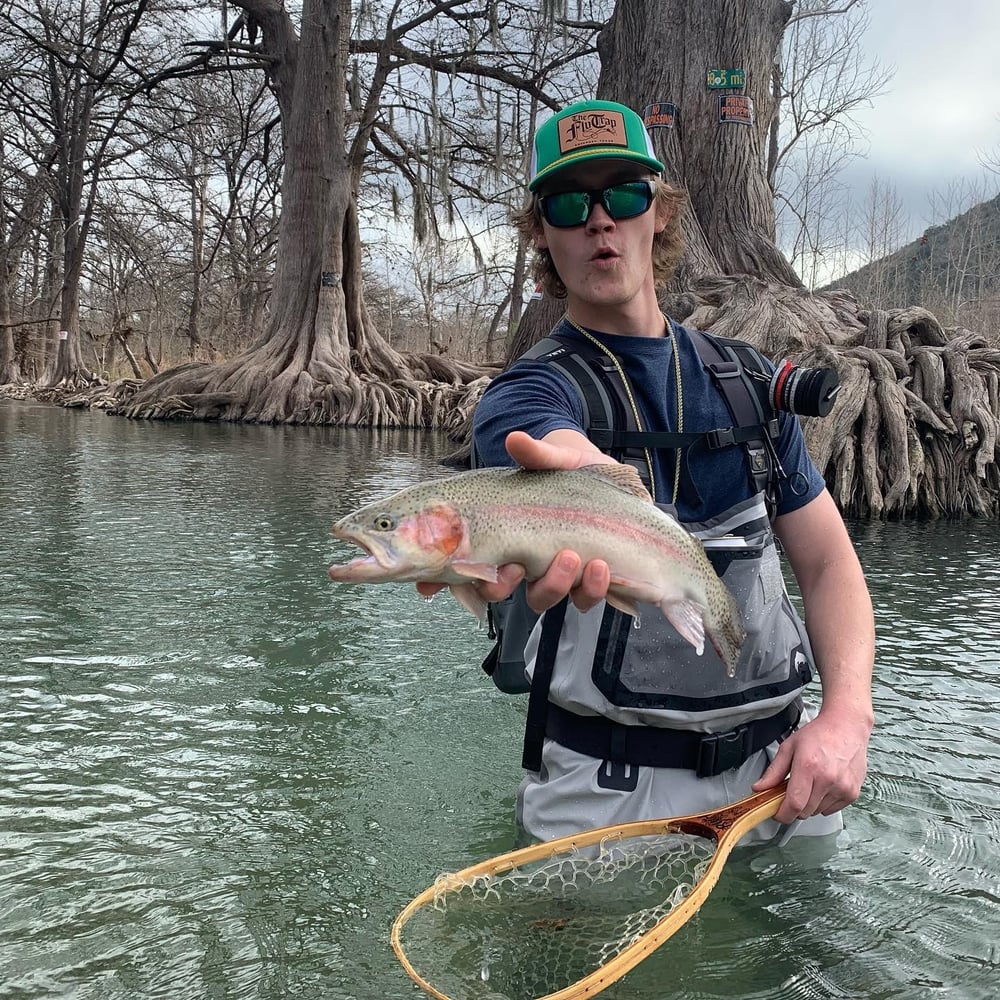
<point x="725" y="826"/>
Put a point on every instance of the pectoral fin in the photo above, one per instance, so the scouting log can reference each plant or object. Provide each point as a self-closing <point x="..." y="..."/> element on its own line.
<point x="475" y="570"/>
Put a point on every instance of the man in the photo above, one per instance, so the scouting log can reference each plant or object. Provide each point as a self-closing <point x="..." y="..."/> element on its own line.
<point x="605" y="228"/>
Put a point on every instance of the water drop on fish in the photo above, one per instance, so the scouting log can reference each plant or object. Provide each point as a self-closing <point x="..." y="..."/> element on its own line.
<point x="484" y="973"/>
<point x="428" y="598"/>
<point x="636" y="622"/>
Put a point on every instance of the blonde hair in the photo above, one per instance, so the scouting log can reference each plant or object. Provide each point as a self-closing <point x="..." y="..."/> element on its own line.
<point x="668" y="245"/>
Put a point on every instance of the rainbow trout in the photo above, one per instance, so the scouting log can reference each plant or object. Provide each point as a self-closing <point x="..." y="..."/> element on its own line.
<point x="458" y="530"/>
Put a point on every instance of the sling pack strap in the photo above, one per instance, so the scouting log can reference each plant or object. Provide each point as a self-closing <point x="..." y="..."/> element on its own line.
<point x="538" y="698"/>
<point x="722" y="437"/>
<point x="606" y="410"/>
<point x="730" y="363"/>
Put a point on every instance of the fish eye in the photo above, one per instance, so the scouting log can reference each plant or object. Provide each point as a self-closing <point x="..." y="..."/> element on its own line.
<point x="385" y="522"/>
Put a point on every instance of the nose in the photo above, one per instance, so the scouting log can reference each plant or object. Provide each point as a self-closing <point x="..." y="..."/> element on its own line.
<point x="599" y="220"/>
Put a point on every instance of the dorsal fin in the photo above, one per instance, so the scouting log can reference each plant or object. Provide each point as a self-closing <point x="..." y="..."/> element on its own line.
<point x="623" y="476"/>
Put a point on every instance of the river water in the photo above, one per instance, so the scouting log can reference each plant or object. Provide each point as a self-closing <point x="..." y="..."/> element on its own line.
<point x="221" y="776"/>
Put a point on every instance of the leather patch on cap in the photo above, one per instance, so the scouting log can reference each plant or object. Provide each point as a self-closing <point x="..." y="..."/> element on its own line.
<point x="592" y="128"/>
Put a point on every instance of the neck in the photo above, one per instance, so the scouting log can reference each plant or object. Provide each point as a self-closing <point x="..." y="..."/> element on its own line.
<point x="633" y="319"/>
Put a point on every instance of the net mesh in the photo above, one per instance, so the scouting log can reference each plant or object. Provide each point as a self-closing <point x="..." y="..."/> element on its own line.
<point x="540" y="927"/>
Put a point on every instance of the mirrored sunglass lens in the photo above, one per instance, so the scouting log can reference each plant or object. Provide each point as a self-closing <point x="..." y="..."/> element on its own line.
<point x="569" y="208"/>
<point x="622" y="201"/>
<point x="627" y="200"/>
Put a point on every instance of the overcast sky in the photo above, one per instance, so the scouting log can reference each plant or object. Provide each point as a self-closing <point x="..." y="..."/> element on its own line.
<point x="941" y="113"/>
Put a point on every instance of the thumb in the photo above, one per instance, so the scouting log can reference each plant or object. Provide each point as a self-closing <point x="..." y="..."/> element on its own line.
<point x="776" y="771"/>
<point x="530" y="453"/>
<point x="572" y="453"/>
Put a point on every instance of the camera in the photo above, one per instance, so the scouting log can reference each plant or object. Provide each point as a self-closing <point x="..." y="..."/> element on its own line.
<point x="808" y="392"/>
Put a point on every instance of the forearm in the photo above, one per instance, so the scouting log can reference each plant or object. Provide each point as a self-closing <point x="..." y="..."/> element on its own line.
<point x="840" y="624"/>
<point x="838" y="610"/>
<point x="826" y="760"/>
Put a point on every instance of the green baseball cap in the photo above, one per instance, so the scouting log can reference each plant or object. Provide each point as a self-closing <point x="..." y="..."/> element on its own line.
<point x="589" y="130"/>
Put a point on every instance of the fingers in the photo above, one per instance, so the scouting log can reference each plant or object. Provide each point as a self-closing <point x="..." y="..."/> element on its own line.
<point x="593" y="586"/>
<point x="557" y="582"/>
<point x="818" y="783"/>
<point x="586" y="585"/>
<point x="530" y="453"/>
<point x="776" y="771"/>
<point x="807" y="798"/>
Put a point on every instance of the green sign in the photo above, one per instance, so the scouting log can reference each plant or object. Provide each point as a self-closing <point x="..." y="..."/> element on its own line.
<point x="719" y="79"/>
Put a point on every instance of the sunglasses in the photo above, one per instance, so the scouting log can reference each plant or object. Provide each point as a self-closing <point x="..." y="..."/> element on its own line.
<point x="567" y="209"/>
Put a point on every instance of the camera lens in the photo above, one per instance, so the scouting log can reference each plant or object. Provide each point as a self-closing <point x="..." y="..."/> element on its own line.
<point x="809" y="392"/>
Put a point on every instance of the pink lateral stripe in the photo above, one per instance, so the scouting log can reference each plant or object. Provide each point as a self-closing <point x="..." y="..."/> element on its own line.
<point x="602" y="522"/>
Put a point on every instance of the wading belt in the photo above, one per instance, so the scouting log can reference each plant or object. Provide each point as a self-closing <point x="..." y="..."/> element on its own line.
<point x="708" y="754"/>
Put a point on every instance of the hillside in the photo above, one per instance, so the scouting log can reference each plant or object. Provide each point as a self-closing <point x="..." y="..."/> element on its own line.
<point x="953" y="270"/>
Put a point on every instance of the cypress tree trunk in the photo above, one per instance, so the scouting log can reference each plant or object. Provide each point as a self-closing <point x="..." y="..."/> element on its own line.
<point x="916" y="427"/>
<point x="721" y="166"/>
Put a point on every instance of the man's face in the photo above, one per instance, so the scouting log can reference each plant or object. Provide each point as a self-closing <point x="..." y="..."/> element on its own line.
<point x="602" y="262"/>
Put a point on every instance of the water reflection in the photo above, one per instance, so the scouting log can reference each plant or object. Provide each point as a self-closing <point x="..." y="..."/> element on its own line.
<point x="223" y="776"/>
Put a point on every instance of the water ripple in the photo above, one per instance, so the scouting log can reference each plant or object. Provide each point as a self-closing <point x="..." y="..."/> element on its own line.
<point x="221" y="777"/>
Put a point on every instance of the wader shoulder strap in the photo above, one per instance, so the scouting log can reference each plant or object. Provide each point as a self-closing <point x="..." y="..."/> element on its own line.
<point x="600" y="409"/>
<point x="538" y="698"/>
<point x="608" y="416"/>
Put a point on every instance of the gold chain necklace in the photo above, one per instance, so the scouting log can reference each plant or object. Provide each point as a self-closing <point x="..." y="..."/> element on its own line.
<point x="635" y="409"/>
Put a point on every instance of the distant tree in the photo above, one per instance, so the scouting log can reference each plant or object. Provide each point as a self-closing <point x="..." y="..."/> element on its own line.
<point x="22" y="203"/>
<point x="212" y="175"/>
<point x="821" y="80"/>
<point x="351" y="80"/>
<point x="961" y="272"/>
<point x="883" y="225"/>
<point x="76" y="86"/>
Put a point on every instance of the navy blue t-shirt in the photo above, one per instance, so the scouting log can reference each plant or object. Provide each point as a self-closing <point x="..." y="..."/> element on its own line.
<point x="534" y="397"/>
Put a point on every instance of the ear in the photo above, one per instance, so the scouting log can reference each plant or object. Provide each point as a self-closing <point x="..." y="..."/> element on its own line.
<point x="664" y="214"/>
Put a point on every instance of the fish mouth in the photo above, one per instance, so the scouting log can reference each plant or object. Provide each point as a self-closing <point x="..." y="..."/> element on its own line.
<point x="379" y="555"/>
<point x="376" y="565"/>
<point x="362" y="568"/>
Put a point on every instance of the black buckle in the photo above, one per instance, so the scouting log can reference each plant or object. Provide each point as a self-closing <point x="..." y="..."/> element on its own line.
<point x="722" y="437"/>
<point x="718" y="752"/>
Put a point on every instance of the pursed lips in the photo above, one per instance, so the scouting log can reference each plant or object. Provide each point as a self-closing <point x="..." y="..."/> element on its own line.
<point x="603" y="254"/>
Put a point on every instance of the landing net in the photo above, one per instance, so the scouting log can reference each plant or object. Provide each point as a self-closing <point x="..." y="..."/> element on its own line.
<point x="540" y="927"/>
